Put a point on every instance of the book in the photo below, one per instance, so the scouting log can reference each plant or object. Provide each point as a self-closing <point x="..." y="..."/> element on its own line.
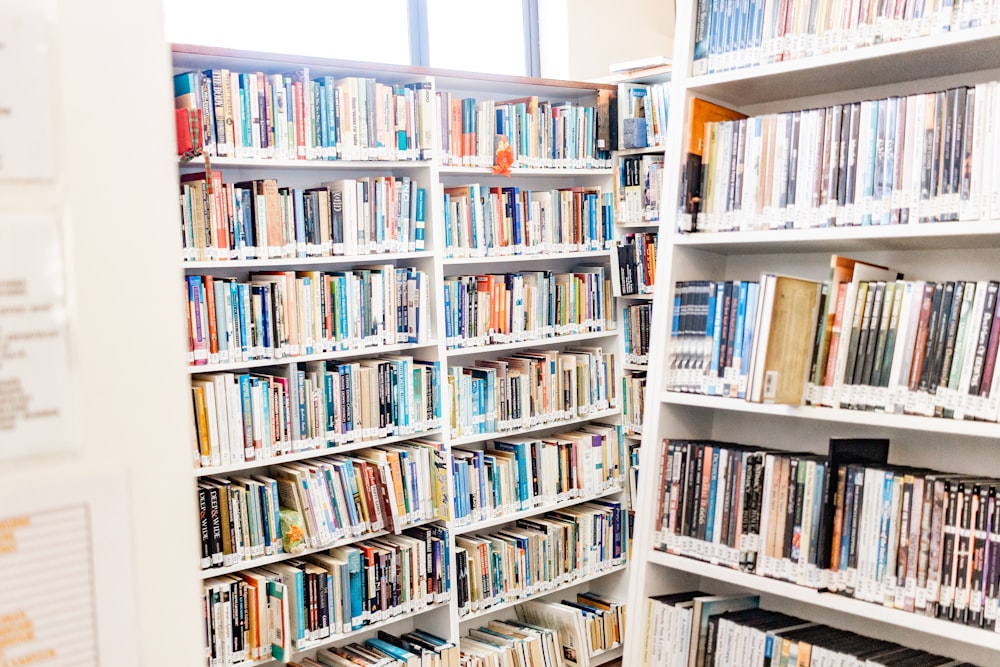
<point x="787" y="313"/>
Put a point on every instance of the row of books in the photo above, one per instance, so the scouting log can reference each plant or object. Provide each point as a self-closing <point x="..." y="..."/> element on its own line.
<point x="293" y="605"/>
<point x="262" y="220"/>
<point x="633" y="264"/>
<point x="587" y="625"/>
<point x="642" y="114"/>
<point x="636" y="321"/>
<point x="541" y="133"/>
<point x="515" y="474"/>
<point x="530" y="388"/>
<point x="905" y="538"/>
<point x="289" y="508"/>
<point x="693" y="628"/>
<point x="640" y="180"/>
<point x="529" y="305"/>
<point x="633" y="402"/>
<point x="865" y="340"/>
<point x="768" y="31"/>
<point x="511" y="643"/>
<point x="292" y="116"/>
<point x="945" y="342"/>
<point x="284" y="314"/>
<point x="483" y="221"/>
<point x="928" y="157"/>
<point x="387" y="650"/>
<point x="713" y="359"/>
<point x="534" y="639"/>
<point x="254" y="417"/>
<point x="538" y="554"/>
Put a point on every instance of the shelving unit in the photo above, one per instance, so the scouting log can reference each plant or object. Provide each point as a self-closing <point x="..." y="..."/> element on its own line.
<point x="939" y="251"/>
<point x="433" y="175"/>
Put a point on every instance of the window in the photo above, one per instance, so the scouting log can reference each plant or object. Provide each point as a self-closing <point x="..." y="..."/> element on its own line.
<point x="477" y="36"/>
<point x="374" y="30"/>
<point x="498" y="37"/>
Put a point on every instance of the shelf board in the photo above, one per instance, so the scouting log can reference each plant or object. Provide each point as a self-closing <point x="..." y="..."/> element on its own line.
<point x="537" y="342"/>
<point x="865" y="67"/>
<point x="832" y="601"/>
<point x="646" y="150"/>
<point x="536" y="257"/>
<point x="269" y="164"/>
<point x="277" y="558"/>
<point x="534" y="511"/>
<point x="637" y="297"/>
<point x="495" y="435"/>
<point x="837" y="415"/>
<point x="330" y="641"/>
<point x="569" y="584"/>
<point x="914" y="236"/>
<point x="311" y="454"/>
<point x="526" y="171"/>
<point x="373" y="351"/>
<point x="646" y="224"/>
<point x="606" y="655"/>
<point x="636" y="367"/>
<point x="633" y="436"/>
<point x="298" y="262"/>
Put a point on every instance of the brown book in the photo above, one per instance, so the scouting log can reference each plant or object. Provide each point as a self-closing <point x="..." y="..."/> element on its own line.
<point x="783" y="349"/>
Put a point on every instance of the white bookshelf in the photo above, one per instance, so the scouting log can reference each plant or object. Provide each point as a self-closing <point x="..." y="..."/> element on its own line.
<point x="441" y="618"/>
<point x="966" y="250"/>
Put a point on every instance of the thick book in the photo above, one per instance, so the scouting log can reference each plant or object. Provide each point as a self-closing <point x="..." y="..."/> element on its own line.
<point x="782" y="353"/>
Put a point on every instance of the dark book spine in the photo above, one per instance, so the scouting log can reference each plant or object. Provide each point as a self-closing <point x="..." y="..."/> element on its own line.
<point x="936" y="345"/>
<point x="963" y="552"/>
<point x="949" y="337"/>
<point x="957" y="110"/>
<point x="991" y="575"/>
<point x="872" y="321"/>
<point x="794" y="494"/>
<point x="983" y="337"/>
<point x="948" y="548"/>
<point x="855" y="515"/>
<point x="977" y="556"/>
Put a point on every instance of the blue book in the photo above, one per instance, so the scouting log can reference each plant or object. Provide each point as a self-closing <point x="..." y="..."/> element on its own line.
<point x="356" y="574"/>
<point x="301" y="399"/>
<point x="267" y="436"/>
<point x="458" y="471"/>
<point x="246" y="140"/>
<point x="293" y="579"/>
<point x="392" y="651"/>
<point x="712" y="489"/>
<point x="741" y="311"/>
<point x="345" y="469"/>
<point x="716" y="300"/>
<point x="522" y="453"/>
<point x="885" y="519"/>
<point x="748" y="325"/>
<point x="346" y="406"/>
<point x="330" y="397"/>
<point x="301" y="237"/>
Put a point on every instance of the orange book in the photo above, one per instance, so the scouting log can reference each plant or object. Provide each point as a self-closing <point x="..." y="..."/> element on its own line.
<point x="700" y="112"/>
<point x="201" y="424"/>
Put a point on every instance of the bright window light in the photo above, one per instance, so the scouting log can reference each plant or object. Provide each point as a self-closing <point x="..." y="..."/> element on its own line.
<point x="373" y="30"/>
<point x="477" y="36"/>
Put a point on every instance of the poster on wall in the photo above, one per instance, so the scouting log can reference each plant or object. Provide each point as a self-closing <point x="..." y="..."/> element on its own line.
<point x="65" y="573"/>
<point x="27" y="147"/>
<point x="34" y="345"/>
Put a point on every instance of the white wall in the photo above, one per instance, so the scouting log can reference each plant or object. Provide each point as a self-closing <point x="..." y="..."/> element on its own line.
<point x="580" y="38"/>
<point x="115" y="196"/>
